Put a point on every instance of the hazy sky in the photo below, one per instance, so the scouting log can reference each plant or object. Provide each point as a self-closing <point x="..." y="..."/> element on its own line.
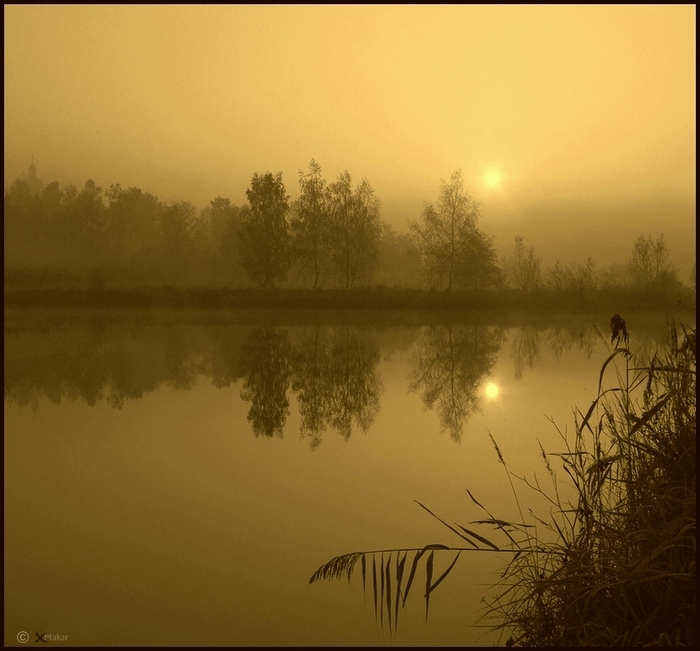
<point x="571" y="117"/>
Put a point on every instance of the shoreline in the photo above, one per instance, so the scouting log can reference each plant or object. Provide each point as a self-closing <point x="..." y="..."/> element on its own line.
<point x="377" y="299"/>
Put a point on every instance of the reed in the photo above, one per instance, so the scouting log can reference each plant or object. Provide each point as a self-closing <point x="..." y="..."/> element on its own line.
<point x="613" y="561"/>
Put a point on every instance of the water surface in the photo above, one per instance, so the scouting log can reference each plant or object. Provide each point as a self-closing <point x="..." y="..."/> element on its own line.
<point x="175" y="478"/>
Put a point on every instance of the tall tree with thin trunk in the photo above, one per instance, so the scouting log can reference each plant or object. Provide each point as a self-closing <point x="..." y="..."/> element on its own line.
<point x="310" y="225"/>
<point x="355" y="229"/>
<point x="444" y="231"/>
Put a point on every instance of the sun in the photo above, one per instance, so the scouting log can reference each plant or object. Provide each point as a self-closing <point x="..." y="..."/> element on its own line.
<point x="491" y="390"/>
<point x="492" y="178"/>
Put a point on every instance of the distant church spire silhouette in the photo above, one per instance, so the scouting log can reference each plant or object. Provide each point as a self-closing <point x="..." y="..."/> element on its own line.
<point x="36" y="185"/>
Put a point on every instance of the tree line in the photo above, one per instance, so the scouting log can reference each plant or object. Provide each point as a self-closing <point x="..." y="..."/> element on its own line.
<point x="331" y="235"/>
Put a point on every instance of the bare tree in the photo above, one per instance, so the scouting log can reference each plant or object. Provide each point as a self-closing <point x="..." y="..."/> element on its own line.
<point x="649" y="265"/>
<point x="525" y="267"/>
<point x="559" y="277"/>
<point x="586" y="275"/>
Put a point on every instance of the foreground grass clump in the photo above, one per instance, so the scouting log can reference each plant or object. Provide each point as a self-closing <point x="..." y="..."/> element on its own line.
<point x="620" y="567"/>
<point x="613" y="561"/>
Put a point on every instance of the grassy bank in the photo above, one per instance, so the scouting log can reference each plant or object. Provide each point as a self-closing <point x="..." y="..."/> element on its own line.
<point x="613" y="560"/>
<point x="376" y="298"/>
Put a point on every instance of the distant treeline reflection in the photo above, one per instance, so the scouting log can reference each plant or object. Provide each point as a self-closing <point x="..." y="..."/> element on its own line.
<point x="333" y="371"/>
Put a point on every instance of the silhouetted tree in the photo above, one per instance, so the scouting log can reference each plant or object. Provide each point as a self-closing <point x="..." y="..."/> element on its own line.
<point x="177" y="229"/>
<point x="616" y="274"/>
<point x="92" y="216"/>
<point x="311" y="225"/>
<point x="586" y="275"/>
<point x="524" y="266"/>
<point x="477" y="265"/>
<point x="446" y="233"/>
<point x="133" y="217"/>
<point x="223" y="228"/>
<point x="17" y="210"/>
<point x="26" y="215"/>
<point x="650" y="265"/>
<point x="559" y="277"/>
<point x="265" y="238"/>
<point x="49" y="211"/>
<point x="356" y="228"/>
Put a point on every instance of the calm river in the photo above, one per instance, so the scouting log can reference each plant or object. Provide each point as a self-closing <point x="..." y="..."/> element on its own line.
<point x="175" y="478"/>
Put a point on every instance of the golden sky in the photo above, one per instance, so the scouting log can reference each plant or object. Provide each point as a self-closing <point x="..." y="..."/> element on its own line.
<point x="559" y="106"/>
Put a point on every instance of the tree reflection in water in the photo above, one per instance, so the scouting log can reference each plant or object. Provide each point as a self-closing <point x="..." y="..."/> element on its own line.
<point x="265" y="361"/>
<point x="562" y="340"/>
<point x="449" y="366"/>
<point x="354" y="379"/>
<point x="526" y="349"/>
<point x="311" y="381"/>
<point x="528" y="340"/>
<point x="336" y="380"/>
<point x="333" y="371"/>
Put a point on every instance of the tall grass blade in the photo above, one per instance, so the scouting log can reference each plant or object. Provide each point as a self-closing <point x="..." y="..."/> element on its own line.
<point x="646" y="417"/>
<point x="412" y="574"/>
<point x="462" y="536"/>
<point x="388" y="591"/>
<point x="479" y="538"/>
<point x="381" y="593"/>
<point x="610" y="358"/>
<point x="444" y="574"/>
<point x="374" y="582"/>
<point x="474" y="500"/>
<point x="364" y="574"/>
<point x="399" y="577"/>
<point x="428" y="580"/>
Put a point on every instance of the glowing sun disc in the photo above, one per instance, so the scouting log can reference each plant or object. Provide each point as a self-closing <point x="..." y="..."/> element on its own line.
<point x="491" y="390"/>
<point x="492" y="178"/>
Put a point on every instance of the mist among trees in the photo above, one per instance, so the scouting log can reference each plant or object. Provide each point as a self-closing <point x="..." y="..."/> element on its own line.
<point x="331" y="236"/>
